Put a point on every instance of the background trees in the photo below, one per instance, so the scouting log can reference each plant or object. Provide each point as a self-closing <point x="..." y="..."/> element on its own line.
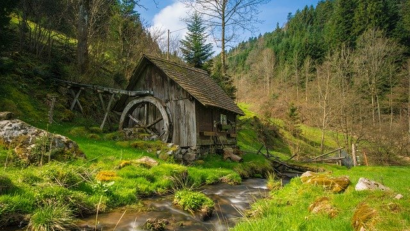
<point x="349" y="59"/>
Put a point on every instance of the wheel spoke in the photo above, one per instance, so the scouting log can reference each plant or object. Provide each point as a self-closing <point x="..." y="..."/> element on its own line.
<point x="136" y="121"/>
<point x="155" y="122"/>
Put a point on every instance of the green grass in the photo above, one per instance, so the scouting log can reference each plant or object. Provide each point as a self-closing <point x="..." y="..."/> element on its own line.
<point x="76" y="183"/>
<point x="287" y="209"/>
<point x="193" y="201"/>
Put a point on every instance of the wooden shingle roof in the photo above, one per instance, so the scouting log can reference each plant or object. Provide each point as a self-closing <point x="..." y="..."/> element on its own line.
<point x="195" y="81"/>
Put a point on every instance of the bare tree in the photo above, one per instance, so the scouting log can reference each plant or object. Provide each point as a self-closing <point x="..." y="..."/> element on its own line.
<point x="226" y="16"/>
<point x="374" y="57"/>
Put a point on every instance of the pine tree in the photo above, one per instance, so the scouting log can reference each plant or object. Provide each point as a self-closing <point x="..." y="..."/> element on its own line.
<point x="194" y="48"/>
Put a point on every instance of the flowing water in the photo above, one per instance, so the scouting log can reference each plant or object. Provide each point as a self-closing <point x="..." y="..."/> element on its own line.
<point x="230" y="203"/>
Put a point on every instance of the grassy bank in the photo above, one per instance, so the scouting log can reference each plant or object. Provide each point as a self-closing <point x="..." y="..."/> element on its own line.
<point x="108" y="178"/>
<point x="288" y="208"/>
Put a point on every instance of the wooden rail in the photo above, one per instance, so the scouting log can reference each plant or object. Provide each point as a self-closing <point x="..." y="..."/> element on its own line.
<point x="72" y="86"/>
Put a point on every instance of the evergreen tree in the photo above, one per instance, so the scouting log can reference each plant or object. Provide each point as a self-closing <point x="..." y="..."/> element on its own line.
<point x="6" y="6"/>
<point x="194" y="48"/>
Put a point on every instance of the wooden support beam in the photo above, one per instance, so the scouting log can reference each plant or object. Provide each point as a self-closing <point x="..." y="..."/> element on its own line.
<point x="327" y="153"/>
<point x="208" y="133"/>
<point x="107" y="110"/>
<point x="101" y="100"/>
<point x="76" y="101"/>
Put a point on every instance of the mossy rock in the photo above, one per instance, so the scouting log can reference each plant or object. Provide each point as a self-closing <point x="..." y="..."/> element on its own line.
<point x="36" y="146"/>
<point x="323" y="205"/>
<point x="334" y="184"/>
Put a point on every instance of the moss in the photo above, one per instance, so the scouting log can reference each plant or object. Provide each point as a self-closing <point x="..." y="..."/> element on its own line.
<point x="93" y="136"/>
<point x="193" y="201"/>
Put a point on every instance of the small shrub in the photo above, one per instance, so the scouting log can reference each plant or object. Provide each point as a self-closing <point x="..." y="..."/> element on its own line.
<point x="193" y="201"/>
<point x="273" y="183"/>
<point x="95" y="130"/>
<point x="51" y="217"/>
<point x="114" y="136"/>
<point x="30" y="178"/>
<point x="78" y="131"/>
<point x="63" y="175"/>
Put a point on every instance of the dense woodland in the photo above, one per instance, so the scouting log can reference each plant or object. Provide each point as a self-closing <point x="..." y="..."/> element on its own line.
<point x="342" y="65"/>
<point x="94" y="41"/>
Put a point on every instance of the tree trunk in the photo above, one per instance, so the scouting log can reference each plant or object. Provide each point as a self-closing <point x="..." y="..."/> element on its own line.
<point x="223" y="68"/>
<point x="82" y="36"/>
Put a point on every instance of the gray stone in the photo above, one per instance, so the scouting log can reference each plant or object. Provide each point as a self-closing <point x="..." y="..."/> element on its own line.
<point x="6" y="115"/>
<point x="190" y="157"/>
<point x="366" y="184"/>
<point x="147" y="161"/>
<point x="30" y="143"/>
<point x="398" y="197"/>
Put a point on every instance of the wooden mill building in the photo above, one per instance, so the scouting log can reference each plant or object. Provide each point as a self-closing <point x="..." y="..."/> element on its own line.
<point x="186" y="106"/>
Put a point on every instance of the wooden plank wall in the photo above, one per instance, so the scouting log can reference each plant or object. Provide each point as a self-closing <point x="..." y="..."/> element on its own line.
<point x="178" y="101"/>
<point x="206" y="117"/>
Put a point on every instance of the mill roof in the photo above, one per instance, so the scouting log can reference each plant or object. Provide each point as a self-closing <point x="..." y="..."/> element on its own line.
<point x="195" y="81"/>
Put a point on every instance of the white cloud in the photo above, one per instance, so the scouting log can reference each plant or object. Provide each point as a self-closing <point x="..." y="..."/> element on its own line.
<point x="171" y="18"/>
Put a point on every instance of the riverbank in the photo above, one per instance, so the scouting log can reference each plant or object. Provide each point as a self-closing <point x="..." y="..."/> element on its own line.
<point x="290" y="208"/>
<point x="108" y="178"/>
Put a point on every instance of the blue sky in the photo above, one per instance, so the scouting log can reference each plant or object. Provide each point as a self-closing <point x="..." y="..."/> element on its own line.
<point x="167" y="14"/>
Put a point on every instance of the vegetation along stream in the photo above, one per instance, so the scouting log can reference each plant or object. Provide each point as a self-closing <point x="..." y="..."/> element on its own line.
<point x="230" y="202"/>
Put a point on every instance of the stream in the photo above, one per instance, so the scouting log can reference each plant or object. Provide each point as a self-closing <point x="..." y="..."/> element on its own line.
<point x="230" y="203"/>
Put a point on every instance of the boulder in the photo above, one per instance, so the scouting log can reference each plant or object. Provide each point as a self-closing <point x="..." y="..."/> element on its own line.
<point x="147" y="161"/>
<point x="229" y="155"/>
<point x="6" y="115"/>
<point x="189" y="157"/>
<point x="398" y="197"/>
<point x="334" y="184"/>
<point x="33" y="145"/>
<point x="366" y="184"/>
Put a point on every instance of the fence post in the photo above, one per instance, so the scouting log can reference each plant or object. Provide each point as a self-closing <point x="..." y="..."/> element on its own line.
<point x="354" y="154"/>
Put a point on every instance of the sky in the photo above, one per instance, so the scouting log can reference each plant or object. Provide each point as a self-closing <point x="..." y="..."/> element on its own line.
<point x="167" y="15"/>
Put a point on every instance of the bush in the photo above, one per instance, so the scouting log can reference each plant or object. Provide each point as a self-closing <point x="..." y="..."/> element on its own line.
<point x="193" y="201"/>
<point x="51" y="217"/>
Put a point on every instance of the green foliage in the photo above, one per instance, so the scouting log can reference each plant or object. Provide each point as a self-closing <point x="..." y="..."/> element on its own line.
<point x="51" y="217"/>
<point x="194" y="49"/>
<point x="288" y="207"/>
<point x="193" y="201"/>
<point x="6" y="7"/>
<point x="225" y="81"/>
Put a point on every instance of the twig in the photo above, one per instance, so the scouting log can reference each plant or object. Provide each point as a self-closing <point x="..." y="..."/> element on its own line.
<point x="96" y="216"/>
<point x="119" y="220"/>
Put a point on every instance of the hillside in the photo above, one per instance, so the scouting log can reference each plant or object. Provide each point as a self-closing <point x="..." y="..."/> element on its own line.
<point x="343" y="66"/>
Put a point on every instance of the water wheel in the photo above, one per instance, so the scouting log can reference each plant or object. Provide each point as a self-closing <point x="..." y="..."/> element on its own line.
<point x="150" y="114"/>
